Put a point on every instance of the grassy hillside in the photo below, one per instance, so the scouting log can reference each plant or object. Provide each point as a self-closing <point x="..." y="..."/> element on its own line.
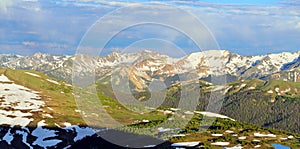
<point x="272" y="104"/>
<point x="57" y="96"/>
<point x="235" y="133"/>
<point x="248" y="105"/>
<point x="270" y="88"/>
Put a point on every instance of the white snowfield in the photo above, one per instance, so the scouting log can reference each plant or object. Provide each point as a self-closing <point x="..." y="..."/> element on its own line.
<point x="18" y="104"/>
<point x="210" y="114"/>
<point x="14" y="100"/>
<point x="3" y="78"/>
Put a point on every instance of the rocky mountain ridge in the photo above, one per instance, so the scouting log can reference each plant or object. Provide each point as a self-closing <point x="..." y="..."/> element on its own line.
<point x="143" y="67"/>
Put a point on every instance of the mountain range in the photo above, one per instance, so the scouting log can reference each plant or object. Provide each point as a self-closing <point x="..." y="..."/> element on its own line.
<point x="143" y="67"/>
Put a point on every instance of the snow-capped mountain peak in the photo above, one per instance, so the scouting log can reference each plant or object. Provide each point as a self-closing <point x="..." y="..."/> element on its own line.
<point x="150" y="64"/>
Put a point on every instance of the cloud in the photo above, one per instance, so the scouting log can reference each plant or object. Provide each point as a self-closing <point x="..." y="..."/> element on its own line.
<point x="30" y="0"/>
<point x="236" y="27"/>
<point x="298" y="25"/>
<point x="29" y="48"/>
<point x="253" y="28"/>
<point x="4" y="4"/>
<point x="28" y="43"/>
<point x="289" y="2"/>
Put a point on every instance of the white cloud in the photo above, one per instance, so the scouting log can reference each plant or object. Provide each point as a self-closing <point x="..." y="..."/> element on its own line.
<point x="298" y="25"/>
<point x="30" y="0"/>
<point x="4" y="4"/>
<point x="28" y="43"/>
<point x="235" y="26"/>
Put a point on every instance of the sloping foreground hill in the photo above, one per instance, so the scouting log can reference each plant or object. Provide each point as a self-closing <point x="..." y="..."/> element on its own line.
<point x="272" y="104"/>
<point x="224" y="130"/>
<point x="37" y="112"/>
<point x="40" y="112"/>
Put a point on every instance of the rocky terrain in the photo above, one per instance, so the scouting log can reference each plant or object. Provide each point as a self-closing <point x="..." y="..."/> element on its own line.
<point x="143" y="67"/>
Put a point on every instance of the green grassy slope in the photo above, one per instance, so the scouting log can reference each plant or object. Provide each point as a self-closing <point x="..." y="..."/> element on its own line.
<point x="59" y="97"/>
<point x="56" y="96"/>
<point x="249" y="101"/>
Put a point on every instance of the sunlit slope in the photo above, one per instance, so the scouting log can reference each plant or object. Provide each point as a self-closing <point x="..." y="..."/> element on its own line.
<point x="57" y="95"/>
<point x="61" y="104"/>
<point x="272" y="104"/>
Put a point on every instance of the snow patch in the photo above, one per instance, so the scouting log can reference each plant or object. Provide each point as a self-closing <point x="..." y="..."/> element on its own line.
<point x="277" y="89"/>
<point x="53" y="81"/>
<point x="210" y="114"/>
<point x="48" y="115"/>
<point x="285" y="91"/>
<point x="3" y="78"/>
<point x="16" y="98"/>
<point x="229" y="131"/>
<point x="161" y="129"/>
<point x="251" y="88"/>
<point x="216" y="135"/>
<point x="242" y="138"/>
<point x="185" y="144"/>
<point x="148" y="146"/>
<point x="41" y="123"/>
<point x="189" y="113"/>
<point x="264" y="135"/>
<point x="67" y="124"/>
<point x="242" y="86"/>
<point x="50" y="108"/>
<point x="219" y="87"/>
<point x="32" y="74"/>
<point x="220" y="143"/>
<point x="257" y="146"/>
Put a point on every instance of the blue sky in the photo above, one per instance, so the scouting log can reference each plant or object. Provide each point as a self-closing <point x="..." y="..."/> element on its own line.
<point x="246" y="2"/>
<point x="247" y="27"/>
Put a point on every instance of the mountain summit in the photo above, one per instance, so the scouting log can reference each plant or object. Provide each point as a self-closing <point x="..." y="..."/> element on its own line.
<point x="146" y="65"/>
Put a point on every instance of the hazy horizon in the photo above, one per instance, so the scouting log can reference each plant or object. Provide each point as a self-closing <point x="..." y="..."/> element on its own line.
<point x="141" y="50"/>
